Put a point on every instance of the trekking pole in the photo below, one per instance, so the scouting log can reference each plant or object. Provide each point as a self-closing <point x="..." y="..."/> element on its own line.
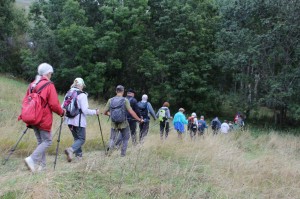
<point x="14" y="147"/>
<point x="55" y="132"/>
<point x="101" y="132"/>
<point x="58" y="140"/>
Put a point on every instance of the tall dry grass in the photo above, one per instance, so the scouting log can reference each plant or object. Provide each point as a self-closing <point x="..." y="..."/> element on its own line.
<point x="236" y="165"/>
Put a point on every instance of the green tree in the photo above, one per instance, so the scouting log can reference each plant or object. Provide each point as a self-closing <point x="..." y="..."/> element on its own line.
<point x="183" y="33"/>
<point x="13" y="26"/>
<point x="257" y="50"/>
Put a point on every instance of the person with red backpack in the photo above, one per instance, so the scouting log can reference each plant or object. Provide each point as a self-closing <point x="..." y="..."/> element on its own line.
<point x="193" y="125"/>
<point x="77" y="108"/>
<point x="38" y="104"/>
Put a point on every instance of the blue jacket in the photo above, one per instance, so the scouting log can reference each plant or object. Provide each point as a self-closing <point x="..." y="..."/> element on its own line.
<point x="202" y="125"/>
<point x="179" y="117"/>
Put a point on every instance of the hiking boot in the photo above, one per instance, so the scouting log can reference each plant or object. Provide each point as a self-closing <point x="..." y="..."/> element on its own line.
<point x="69" y="153"/>
<point x="29" y="163"/>
<point x="108" y="151"/>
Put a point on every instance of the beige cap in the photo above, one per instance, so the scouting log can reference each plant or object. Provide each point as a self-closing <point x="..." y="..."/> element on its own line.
<point x="181" y="109"/>
<point x="79" y="82"/>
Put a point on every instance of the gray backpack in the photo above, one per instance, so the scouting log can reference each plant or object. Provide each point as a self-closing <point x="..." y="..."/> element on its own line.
<point x="117" y="109"/>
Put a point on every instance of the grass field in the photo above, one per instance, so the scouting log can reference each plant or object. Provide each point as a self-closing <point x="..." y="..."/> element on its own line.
<point x="237" y="165"/>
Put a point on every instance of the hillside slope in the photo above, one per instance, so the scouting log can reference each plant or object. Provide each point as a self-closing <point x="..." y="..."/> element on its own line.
<point x="232" y="166"/>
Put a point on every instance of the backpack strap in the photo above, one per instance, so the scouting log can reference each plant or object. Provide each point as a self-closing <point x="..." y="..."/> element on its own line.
<point x="42" y="87"/>
<point x="80" y="111"/>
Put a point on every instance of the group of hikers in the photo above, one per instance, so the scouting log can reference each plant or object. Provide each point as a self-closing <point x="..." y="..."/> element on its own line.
<point x="41" y="100"/>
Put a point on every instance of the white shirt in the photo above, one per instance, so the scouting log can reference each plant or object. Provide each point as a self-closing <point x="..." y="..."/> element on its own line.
<point x="84" y="106"/>
<point x="224" y="128"/>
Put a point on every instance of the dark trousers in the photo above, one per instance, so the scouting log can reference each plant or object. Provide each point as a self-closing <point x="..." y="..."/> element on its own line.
<point x="193" y="132"/>
<point x="79" y="139"/>
<point x="132" y="126"/>
<point x="164" y="126"/>
<point x="144" y="128"/>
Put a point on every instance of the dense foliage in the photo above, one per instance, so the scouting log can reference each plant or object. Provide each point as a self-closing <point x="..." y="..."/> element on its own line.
<point x="13" y="24"/>
<point x="193" y="53"/>
<point x="259" y="52"/>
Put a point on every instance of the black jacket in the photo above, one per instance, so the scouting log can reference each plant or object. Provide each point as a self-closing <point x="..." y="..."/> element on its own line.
<point x="134" y="106"/>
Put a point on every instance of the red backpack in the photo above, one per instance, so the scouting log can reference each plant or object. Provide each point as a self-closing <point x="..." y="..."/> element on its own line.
<point x="32" y="107"/>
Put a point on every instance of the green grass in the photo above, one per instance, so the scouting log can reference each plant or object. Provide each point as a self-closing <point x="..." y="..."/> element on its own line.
<point x="237" y="165"/>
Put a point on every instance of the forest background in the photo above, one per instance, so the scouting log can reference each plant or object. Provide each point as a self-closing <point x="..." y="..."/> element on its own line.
<point x="213" y="57"/>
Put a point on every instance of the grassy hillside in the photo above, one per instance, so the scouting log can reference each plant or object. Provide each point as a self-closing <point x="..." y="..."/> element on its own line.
<point x="232" y="166"/>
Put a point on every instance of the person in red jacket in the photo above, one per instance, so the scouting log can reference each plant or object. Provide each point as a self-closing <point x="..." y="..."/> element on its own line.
<point x="37" y="160"/>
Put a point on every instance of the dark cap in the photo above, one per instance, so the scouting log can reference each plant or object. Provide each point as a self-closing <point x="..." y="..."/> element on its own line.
<point x="130" y="91"/>
<point x="120" y="88"/>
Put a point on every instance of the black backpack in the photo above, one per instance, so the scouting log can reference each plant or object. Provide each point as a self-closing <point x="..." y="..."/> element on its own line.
<point x="214" y="125"/>
<point x="117" y="109"/>
<point x="143" y="109"/>
<point x="191" y="124"/>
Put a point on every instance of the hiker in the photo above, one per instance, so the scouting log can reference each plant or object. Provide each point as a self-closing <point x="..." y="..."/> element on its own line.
<point x="131" y="120"/>
<point x="192" y="125"/>
<point x="145" y="108"/>
<point x="163" y="115"/>
<point x="236" y="117"/>
<point x="224" y="127"/>
<point x="201" y="126"/>
<point x="77" y="122"/>
<point x="231" y="127"/>
<point x="239" y="119"/>
<point x="42" y="84"/>
<point x="215" y="125"/>
<point x="179" y="121"/>
<point x="116" y="108"/>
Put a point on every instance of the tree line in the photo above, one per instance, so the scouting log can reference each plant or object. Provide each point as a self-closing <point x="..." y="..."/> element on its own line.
<point x="196" y="54"/>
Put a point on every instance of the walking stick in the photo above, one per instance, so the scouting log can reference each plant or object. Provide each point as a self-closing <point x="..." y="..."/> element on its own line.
<point x="101" y="132"/>
<point x="14" y="147"/>
<point x="58" y="140"/>
<point x="55" y="132"/>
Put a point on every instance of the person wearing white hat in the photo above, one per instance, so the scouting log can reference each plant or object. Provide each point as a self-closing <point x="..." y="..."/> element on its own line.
<point x="77" y="124"/>
<point x="193" y="125"/>
<point x="42" y="84"/>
